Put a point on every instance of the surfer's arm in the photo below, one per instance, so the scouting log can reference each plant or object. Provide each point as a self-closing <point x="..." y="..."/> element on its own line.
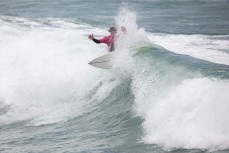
<point x="96" y="41"/>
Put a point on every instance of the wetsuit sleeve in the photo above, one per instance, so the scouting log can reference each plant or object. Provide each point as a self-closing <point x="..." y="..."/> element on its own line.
<point x="96" y="41"/>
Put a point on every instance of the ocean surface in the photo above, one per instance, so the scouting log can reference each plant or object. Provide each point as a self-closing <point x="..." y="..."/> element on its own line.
<point x="168" y="91"/>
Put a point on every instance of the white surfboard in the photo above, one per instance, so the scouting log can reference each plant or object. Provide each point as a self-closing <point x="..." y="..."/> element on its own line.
<point x="103" y="62"/>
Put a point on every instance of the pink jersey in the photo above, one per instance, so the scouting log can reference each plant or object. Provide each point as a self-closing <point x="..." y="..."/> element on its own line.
<point x="107" y="40"/>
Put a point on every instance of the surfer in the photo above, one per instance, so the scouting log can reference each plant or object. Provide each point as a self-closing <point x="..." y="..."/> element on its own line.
<point x="109" y="40"/>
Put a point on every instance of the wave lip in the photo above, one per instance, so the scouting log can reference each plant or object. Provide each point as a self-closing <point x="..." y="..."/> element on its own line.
<point x="210" y="48"/>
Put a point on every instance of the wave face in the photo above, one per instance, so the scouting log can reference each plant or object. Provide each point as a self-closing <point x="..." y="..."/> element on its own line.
<point x="154" y="100"/>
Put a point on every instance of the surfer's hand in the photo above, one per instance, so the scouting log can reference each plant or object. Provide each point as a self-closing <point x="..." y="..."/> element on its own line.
<point x="123" y="29"/>
<point x="91" y="36"/>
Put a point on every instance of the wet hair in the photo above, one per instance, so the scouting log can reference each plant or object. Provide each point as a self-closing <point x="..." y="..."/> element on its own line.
<point x="112" y="29"/>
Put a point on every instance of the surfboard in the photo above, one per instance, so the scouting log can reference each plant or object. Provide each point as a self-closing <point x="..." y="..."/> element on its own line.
<point x="103" y="62"/>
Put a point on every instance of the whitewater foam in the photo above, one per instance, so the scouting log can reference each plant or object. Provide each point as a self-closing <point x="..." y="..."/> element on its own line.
<point x="45" y="77"/>
<point x="194" y="114"/>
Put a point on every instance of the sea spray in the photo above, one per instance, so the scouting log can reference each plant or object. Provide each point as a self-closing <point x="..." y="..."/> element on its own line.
<point x="129" y="39"/>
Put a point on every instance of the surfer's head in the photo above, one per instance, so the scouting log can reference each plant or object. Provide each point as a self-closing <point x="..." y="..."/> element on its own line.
<point x="112" y="30"/>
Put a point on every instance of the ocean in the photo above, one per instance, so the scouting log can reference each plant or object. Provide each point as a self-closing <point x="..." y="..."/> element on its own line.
<point x="168" y="91"/>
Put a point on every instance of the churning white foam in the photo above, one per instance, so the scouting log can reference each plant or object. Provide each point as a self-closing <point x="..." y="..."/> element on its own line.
<point x="194" y="114"/>
<point x="44" y="75"/>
